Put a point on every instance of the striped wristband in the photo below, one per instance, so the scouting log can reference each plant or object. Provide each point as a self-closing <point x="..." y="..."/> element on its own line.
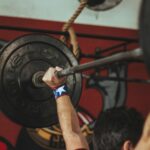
<point x="60" y="91"/>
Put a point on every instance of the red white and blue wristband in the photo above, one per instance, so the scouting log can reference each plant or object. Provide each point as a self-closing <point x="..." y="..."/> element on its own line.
<point x="60" y="91"/>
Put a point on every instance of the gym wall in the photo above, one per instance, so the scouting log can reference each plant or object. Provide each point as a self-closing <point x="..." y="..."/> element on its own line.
<point x="137" y="94"/>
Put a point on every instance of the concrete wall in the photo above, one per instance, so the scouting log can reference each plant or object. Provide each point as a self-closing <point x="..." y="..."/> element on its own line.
<point x="125" y="15"/>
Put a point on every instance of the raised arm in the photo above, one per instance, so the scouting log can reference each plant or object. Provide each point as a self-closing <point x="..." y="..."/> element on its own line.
<point x="68" y="119"/>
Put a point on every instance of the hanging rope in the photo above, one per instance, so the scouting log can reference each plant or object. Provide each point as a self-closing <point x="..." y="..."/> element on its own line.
<point x="74" y="42"/>
<point x="67" y="27"/>
<point x="68" y="24"/>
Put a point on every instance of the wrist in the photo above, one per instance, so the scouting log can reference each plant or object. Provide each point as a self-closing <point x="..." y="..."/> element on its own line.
<point x="60" y="91"/>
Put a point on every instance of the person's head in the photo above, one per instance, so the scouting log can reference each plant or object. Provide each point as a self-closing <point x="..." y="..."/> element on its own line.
<point x="117" y="129"/>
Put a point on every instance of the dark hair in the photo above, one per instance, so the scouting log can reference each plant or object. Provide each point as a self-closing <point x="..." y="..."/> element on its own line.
<point x="114" y="126"/>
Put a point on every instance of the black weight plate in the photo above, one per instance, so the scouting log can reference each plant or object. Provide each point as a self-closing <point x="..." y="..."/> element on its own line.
<point x="20" y="59"/>
<point x="103" y="5"/>
<point x="145" y="31"/>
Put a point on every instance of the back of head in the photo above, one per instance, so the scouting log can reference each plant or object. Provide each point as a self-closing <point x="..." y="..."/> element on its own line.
<point x="115" y="126"/>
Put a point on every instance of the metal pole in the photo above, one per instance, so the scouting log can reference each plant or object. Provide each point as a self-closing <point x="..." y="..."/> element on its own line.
<point x="116" y="57"/>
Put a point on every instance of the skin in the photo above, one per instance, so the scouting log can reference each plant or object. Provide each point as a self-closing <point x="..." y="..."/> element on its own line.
<point x="69" y="123"/>
<point x="144" y="143"/>
<point x="68" y="119"/>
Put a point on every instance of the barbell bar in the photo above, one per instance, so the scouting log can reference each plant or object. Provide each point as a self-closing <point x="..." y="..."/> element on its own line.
<point x="37" y="78"/>
<point x="23" y="96"/>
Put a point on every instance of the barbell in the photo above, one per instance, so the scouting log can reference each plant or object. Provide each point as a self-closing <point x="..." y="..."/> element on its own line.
<point x="144" y="32"/>
<point x="21" y="61"/>
<point x="24" y="97"/>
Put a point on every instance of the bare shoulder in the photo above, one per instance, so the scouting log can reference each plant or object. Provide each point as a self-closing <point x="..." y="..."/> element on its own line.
<point x="144" y="143"/>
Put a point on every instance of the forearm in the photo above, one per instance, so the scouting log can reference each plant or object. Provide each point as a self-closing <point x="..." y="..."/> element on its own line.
<point x="67" y="116"/>
<point x="69" y="124"/>
<point x="66" y="113"/>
